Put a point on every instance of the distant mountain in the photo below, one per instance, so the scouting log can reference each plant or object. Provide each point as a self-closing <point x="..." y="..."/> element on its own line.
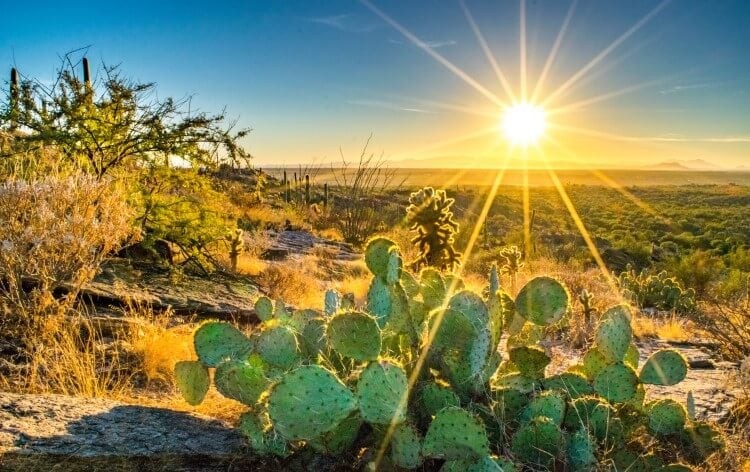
<point x="691" y="164"/>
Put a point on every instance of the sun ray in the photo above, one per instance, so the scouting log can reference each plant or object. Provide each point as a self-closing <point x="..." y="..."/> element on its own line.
<point x="440" y="311"/>
<point x="553" y="52"/>
<point x="604" y="53"/>
<point x="522" y="41"/>
<point x="570" y="107"/>
<point x="434" y="54"/>
<point x="447" y="106"/>
<point x="488" y="52"/>
<point x="609" y="278"/>
<point x="449" y="142"/>
<point x="611" y="183"/>
<point x="526" y="212"/>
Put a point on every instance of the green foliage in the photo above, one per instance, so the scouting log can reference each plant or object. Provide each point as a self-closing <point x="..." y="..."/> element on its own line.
<point x="429" y="215"/>
<point x="315" y="378"/>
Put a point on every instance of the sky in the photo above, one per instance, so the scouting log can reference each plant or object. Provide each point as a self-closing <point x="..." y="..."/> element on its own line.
<point x="670" y="80"/>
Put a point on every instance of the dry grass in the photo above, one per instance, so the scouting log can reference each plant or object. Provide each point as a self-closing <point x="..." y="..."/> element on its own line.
<point x="295" y="281"/>
<point x="670" y="328"/>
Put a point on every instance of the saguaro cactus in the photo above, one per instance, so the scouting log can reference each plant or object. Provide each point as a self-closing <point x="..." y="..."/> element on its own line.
<point x="13" y="95"/>
<point x="307" y="189"/>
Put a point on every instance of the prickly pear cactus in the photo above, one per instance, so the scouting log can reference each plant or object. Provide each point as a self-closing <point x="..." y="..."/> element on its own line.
<point x="456" y="434"/>
<point x="243" y="381"/>
<point x="434" y="397"/>
<point x="582" y="451"/>
<point x="377" y="256"/>
<point x="666" y="417"/>
<point x="381" y="391"/>
<point x="278" y="347"/>
<point x="617" y="383"/>
<point x="216" y="342"/>
<point x="664" y="367"/>
<point x="308" y="402"/>
<point x="332" y="302"/>
<point x="530" y="361"/>
<point x="264" y="308"/>
<point x="192" y="381"/>
<point x="614" y="335"/>
<point x="538" y="442"/>
<point x="543" y="301"/>
<point x="406" y="447"/>
<point x="355" y="335"/>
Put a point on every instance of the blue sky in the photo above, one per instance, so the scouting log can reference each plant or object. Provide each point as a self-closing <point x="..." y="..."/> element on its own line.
<point x="312" y="76"/>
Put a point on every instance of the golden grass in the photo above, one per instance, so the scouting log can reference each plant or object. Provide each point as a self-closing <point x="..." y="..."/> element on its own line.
<point x="670" y="328"/>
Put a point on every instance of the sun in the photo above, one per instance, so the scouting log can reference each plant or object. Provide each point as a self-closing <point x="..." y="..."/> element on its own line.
<point x="523" y="123"/>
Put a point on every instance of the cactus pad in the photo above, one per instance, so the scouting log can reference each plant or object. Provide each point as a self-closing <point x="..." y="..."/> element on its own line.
<point x="410" y="284"/>
<point x="516" y="381"/>
<point x="308" y="402"/>
<point x="406" y="447"/>
<point x="381" y="389"/>
<point x="313" y="337"/>
<point x="572" y="384"/>
<point x="581" y="451"/>
<point x="216" y="342"/>
<point x="530" y="361"/>
<point x="666" y="417"/>
<point x="550" y="404"/>
<point x="508" y="404"/>
<point x="434" y="397"/>
<point x="472" y="306"/>
<point x="432" y="287"/>
<point x="456" y="434"/>
<point x="192" y="381"/>
<point x="331" y="303"/>
<point x="340" y="438"/>
<point x="379" y="301"/>
<point x="278" y="347"/>
<point x="377" y="254"/>
<point x="542" y="301"/>
<point x="664" y="367"/>
<point x="613" y="336"/>
<point x="264" y="308"/>
<point x="243" y="381"/>
<point x="632" y="356"/>
<point x="593" y="363"/>
<point x="354" y="335"/>
<point x="616" y="383"/>
<point x="394" y="268"/>
<point x="538" y="442"/>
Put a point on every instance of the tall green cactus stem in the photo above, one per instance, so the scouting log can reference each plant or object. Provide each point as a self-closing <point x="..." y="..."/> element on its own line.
<point x="355" y="335"/>
<point x="308" y="402"/>
<point x="325" y="194"/>
<point x="429" y="215"/>
<point x="542" y="301"/>
<point x="192" y="381"/>
<point x="381" y="390"/>
<point x="456" y="434"/>
<point x="664" y="367"/>
<point x="494" y="284"/>
<point x="216" y="342"/>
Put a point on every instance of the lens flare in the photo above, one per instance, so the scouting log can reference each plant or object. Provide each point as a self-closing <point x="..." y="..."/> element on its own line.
<point x="523" y="124"/>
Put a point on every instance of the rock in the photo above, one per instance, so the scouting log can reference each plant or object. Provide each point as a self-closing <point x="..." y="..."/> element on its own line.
<point x="39" y="432"/>
<point x="220" y="296"/>
<point x="297" y="242"/>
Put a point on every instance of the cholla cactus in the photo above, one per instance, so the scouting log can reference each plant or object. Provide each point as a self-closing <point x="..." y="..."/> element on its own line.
<point x="511" y="262"/>
<point x="429" y="215"/>
<point x="236" y="246"/>
<point x="313" y="378"/>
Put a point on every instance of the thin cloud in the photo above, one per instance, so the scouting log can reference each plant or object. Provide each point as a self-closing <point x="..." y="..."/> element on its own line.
<point x="430" y="44"/>
<point x="685" y="88"/>
<point x="688" y="139"/>
<point x="344" y="22"/>
<point x="389" y="106"/>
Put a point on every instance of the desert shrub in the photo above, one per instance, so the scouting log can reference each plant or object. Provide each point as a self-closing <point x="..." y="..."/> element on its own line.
<point x="56" y="232"/>
<point x="421" y="365"/>
<point x="728" y="323"/>
<point x="358" y="207"/>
